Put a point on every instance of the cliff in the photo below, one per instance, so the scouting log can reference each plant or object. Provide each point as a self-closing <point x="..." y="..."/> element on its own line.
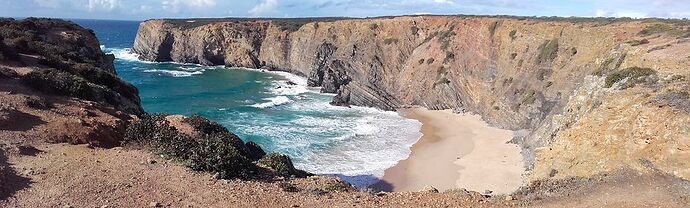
<point x="586" y="90"/>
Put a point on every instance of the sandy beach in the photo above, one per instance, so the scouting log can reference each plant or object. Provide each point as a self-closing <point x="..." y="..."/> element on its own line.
<point x="457" y="151"/>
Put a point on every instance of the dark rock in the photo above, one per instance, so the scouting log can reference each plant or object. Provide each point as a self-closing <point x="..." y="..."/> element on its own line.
<point x="38" y="102"/>
<point x="254" y="151"/>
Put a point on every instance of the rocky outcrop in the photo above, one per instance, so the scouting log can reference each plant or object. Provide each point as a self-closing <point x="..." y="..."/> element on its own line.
<point x="517" y="73"/>
<point x="56" y="85"/>
<point x="63" y="58"/>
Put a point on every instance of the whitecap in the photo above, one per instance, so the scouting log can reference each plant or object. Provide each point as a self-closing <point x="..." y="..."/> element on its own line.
<point x="124" y="54"/>
<point x="273" y="102"/>
<point x="175" y="73"/>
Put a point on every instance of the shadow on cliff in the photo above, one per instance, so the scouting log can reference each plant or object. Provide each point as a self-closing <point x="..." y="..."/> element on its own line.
<point x="10" y="181"/>
<point x="365" y="181"/>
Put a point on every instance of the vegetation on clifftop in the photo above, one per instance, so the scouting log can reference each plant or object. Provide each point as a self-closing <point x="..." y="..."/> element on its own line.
<point x="632" y="73"/>
<point x="212" y="149"/>
<point x="67" y="63"/>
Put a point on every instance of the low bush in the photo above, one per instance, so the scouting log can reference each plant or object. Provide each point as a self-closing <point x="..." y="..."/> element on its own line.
<point x="209" y="152"/>
<point x="37" y="102"/>
<point x="444" y="37"/>
<point x="493" y="27"/>
<point x="638" y="42"/>
<point x="287" y="187"/>
<point x="338" y="186"/>
<point x="389" y="41"/>
<point x="656" y="28"/>
<point x="529" y="98"/>
<point x="449" y="57"/>
<point x="56" y="82"/>
<point x="216" y="153"/>
<point x="633" y="73"/>
<point x="214" y="150"/>
<point x="254" y="151"/>
<point x="7" y="72"/>
<point x="513" y="34"/>
<point x="414" y="30"/>
<point x="204" y="125"/>
<point x="280" y="164"/>
<point x="548" y="51"/>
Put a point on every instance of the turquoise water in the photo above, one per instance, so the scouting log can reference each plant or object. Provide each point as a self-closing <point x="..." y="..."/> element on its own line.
<point x="262" y="107"/>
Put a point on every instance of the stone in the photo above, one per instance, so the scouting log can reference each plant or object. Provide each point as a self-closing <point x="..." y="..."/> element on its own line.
<point x="429" y="189"/>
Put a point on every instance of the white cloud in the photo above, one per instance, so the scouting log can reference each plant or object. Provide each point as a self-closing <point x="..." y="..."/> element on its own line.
<point x="632" y="14"/>
<point x="265" y="7"/>
<point x="142" y="9"/>
<point x="48" y="3"/>
<point x="444" y="2"/>
<point x="177" y="5"/>
<point x="103" y="5"/>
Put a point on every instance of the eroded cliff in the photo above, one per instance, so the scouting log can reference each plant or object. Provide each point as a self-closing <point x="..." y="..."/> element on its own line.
<point x="588" y="92"/>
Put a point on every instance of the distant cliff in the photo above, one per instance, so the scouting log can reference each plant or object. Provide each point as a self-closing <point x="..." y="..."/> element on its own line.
<point x="549" y="76"/>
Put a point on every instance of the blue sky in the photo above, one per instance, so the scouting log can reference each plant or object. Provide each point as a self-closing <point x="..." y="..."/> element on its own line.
<point x="147" y="9"/>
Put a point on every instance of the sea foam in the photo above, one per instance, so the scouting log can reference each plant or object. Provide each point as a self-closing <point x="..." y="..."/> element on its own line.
<point x="175" y="73"/>
<point x="357" y="144"/>
<point x="273" y="102"/>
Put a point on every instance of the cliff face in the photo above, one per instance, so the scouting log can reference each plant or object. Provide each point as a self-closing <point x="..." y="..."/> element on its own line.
<point x="543" y="76"/>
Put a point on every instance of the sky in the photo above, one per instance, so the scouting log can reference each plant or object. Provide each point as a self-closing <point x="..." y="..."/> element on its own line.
<point x="150" y="9"/>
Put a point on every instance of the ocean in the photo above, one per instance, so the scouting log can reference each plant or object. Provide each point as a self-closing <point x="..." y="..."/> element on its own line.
<point x="355" y="143"/>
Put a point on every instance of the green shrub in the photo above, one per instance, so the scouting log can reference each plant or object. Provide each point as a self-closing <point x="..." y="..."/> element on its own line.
<point x="441" y="73"/>
<point x="279" y="163"/>
<point x="287" y="187"/>
<point x="449" y="57"/>
<point x="548" y="51"/>
<point x="290" y="26"/>
<point x="656" y="28"/>
<point x="37" y="102"/>
<point x="529" y="98"/>
<point x="444" y="37"/>
<point x="513" y="34"/>
<point x="492" y="28"/>
<point x="430" y="61"/>
<point x="638" y="42"/>
<point x="215" y="152"/>
<point x="7" y="72"/>
<point x="414" y="30"/>
<point x="338" y="187"/>
<point x="55" y="82"/>
<point x="389" y="41"/>
<point x="254" y="151"/>
<point x="633" y="73"/>
<point x="205" y="126"/>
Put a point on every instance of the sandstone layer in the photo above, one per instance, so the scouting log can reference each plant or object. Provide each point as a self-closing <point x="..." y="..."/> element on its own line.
<point x="593" y="95"/>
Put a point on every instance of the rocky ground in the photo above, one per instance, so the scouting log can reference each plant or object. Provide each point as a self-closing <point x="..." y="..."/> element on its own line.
<point x="63" y="175"/>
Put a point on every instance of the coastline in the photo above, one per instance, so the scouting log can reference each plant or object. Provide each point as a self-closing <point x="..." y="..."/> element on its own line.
<point x="456" y="151"/>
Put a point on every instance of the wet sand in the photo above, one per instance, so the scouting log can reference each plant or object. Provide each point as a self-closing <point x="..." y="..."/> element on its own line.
<point x="456" y="151"/>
